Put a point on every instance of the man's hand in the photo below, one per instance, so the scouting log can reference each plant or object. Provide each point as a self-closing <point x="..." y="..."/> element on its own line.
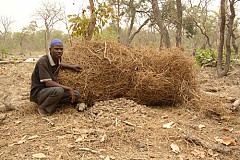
<point x="77" y="68"/>
<point x="73" y="97"/>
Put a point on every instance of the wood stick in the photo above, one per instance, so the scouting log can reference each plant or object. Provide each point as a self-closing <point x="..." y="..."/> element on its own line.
<point x="201" y="142"/>
<point x="89" y="150"/>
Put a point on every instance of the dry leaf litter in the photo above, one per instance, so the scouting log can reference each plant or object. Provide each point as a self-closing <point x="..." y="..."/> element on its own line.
<point x="120" y="128"/>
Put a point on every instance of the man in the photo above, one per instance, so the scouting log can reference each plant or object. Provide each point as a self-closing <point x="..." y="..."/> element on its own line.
<point x="45" y="90"/>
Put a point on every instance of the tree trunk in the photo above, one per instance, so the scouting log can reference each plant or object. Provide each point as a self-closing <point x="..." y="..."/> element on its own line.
<point x="222" y="71"/>
<point x="130" y="39"/>
<point x="45" y="41"/>
<point x="179" y="23"/>
<point x="118" y="21"/>
<point x="133" y="14"/>
<point x="159" y="20"/>
<point x="221" y="39"/>
<point x="92" y="22"/>
<point x="229" y="36"/>
<point x="235" y="47"/>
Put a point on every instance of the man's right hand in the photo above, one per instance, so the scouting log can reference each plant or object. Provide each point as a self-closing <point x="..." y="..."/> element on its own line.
<point x="73" y="97"/>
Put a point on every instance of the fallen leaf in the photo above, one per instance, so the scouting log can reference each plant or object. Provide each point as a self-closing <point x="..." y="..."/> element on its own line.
<point x="197" y="153"/>
<point x="226" y="141"/>
<point x="200" y="126"/>
<point x="168" y="125"/>
<point x="39" y="155"/>
<point x="175" y="148"/>
<point x="228" y="129"/>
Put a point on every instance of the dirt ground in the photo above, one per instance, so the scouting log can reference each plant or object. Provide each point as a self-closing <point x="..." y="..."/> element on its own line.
<point x="118" y="129"/>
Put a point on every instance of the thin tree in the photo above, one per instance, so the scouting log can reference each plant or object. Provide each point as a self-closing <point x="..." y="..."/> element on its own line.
<point x="118" y="21"/>
<point x="131" y="11"/>
<point x="50" y="14"/>
<point x="223" y="69"/>
<point x="200" y="16"/>
<point x="25" y="33"/>
<point x="5" y="27"/>
<point x="179" y="23"/>
<point x="162" y="28"/>
<point x="235" y="36"/>
<point x="92" y="22"/>
<point x="135" y="8"/>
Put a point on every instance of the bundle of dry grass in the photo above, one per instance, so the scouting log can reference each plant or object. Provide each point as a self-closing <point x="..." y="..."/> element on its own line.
<point x="145" y="75"/>
<point x="107" y="73"/>
<point x="167" y="78"/>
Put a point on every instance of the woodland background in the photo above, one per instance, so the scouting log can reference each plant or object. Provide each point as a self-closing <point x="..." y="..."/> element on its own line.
<point x="192" y="24"/>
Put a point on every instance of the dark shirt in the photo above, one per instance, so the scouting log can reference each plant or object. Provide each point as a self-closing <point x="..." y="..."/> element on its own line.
<point x="45" y="70"/>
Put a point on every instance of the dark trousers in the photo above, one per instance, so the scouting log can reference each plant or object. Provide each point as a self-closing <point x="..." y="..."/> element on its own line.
<point x="52" y="97"/>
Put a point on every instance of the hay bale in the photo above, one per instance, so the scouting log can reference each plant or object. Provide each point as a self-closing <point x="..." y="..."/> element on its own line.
<point x="145" y="75"/>
<point x="166" y="78"/>
<point x="107" y="73"/>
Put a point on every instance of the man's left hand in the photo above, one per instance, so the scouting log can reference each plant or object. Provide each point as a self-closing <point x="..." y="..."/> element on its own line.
<point x="77" y="68"/>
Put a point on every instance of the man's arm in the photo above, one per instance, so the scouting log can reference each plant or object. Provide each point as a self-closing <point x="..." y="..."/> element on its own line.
<point x="51" y="83"/>
<point x="73" y="67"/>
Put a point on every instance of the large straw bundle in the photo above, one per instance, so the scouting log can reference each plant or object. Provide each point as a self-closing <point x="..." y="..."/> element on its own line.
<point x="166" y="77"/>
<point x="107" y="70"/>
<point x="112" y="70"/>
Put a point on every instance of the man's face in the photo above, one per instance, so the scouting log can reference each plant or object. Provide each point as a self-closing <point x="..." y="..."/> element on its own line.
<point x="56" y="51"/>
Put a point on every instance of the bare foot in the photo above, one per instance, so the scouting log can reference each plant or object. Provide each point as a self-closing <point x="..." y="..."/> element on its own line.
<point x="42" y="111"/>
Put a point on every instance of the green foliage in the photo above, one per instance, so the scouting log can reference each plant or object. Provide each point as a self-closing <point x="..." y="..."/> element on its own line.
<point x="209" y="58"/>
<point x="79" y="25"/>
<point x="235" y="58"/>
<point x="5" y="51"/>
<point x="206" y="57"/>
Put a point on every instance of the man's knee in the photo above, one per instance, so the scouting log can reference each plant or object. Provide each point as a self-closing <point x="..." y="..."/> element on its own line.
<point x="57" y="92"/>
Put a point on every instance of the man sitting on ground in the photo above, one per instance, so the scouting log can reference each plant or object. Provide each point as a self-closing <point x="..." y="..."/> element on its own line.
<point x="46" y="92"/>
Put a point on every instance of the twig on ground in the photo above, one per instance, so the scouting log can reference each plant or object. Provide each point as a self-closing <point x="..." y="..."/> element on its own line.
<point x="89" y="150"/>
<point x="130" y="124"/>
<point x="201" y="142"/>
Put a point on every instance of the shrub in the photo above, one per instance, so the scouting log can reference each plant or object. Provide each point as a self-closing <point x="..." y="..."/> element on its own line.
<point x="206" y="57"/>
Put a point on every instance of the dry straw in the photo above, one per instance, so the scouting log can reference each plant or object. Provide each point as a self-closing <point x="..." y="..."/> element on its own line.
<point x="147" y="76"/>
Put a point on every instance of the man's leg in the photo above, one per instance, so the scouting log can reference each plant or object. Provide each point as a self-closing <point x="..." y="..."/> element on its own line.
<point x="66" y="98"/>
<point x="48" y="99"/>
